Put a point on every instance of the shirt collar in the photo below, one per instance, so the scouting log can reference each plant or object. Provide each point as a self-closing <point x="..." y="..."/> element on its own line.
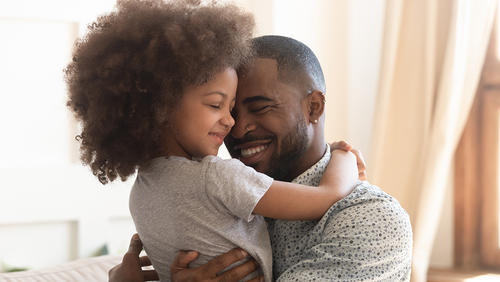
<point x="312" y="175"/>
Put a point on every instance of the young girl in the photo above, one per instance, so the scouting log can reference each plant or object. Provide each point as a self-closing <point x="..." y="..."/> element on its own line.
<point x="153" y="85"/>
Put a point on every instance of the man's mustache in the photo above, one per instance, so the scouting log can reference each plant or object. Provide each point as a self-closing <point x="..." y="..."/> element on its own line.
<point x="247" y="138"/>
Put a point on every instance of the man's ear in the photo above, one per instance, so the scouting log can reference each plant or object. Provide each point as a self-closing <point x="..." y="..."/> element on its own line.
<point x="316" y="103"/>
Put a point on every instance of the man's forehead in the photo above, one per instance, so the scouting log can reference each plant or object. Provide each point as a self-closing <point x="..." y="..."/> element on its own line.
<point x="259" y="80"/>
<point x="259" y="68"/>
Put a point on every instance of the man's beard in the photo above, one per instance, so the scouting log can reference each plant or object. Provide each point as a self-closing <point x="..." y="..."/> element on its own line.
<point x="293" y="147"/>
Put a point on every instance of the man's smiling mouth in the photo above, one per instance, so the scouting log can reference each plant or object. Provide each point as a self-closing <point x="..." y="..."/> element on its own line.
<point x="249" y="152"/>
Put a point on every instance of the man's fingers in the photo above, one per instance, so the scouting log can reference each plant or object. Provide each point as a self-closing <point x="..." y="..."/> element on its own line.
<point x="257" y="279"/>
<point x="221" y="262"/>
<point x="150" y="275"/>
<point x="114" y="269"/>
<point x="145" y="261"/>
<point x="182" y="260"/>
<point x="135" y="246"/>
<point x="239" y="272"/>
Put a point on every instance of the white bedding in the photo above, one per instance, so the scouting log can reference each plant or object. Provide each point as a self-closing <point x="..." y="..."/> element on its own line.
<point x="89" y="269"/>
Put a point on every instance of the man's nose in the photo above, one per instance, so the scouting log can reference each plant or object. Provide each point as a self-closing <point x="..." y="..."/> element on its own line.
<point x="241" y="127"/>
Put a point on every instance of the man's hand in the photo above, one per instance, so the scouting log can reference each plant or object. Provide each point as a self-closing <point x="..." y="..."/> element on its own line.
<point x="342" y="145"/>
<point x="130" y="270"/>
<point x="180" y="272"/>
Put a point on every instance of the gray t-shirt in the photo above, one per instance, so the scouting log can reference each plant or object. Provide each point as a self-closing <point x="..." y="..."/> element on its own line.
<point x="180" y="204"/>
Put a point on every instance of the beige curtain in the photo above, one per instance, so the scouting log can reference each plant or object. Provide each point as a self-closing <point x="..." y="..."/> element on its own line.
<point x="433" y="52"/>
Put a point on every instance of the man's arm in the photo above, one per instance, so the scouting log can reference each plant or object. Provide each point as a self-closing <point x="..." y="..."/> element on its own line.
<point x="369" y="241"/>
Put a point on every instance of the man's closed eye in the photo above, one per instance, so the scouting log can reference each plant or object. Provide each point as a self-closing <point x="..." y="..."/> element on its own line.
<point x="260" y="110"/>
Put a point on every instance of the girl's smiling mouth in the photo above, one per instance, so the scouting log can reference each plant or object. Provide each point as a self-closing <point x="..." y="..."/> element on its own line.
<point x="219" y="137"/>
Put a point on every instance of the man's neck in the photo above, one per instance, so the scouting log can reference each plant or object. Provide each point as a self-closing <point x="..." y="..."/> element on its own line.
<point x="310" y="157"/>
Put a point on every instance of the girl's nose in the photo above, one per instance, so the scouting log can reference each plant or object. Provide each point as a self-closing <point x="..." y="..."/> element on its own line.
<point x="228" y="121"/>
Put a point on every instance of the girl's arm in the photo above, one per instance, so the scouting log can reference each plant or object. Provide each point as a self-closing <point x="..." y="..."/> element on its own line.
<point x="292" y="201"/>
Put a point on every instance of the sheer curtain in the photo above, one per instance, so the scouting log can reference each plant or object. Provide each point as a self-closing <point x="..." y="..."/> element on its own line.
<point x="433" y="52"/>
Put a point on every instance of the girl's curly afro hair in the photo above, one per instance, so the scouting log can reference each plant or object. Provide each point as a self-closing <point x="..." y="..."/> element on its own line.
<point x="132" y="66"/>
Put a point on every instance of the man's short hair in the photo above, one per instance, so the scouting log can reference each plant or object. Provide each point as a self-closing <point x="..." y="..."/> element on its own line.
<point x="296" y="62"/>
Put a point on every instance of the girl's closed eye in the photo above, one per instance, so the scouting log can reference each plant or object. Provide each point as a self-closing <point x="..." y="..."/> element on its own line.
<point x="214" y="103"/>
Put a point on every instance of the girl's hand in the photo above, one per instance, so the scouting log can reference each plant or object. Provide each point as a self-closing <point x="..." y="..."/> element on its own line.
<point x="343" y="145"/>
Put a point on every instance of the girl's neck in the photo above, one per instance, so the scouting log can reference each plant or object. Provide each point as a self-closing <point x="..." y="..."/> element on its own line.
<point x="173" y="148"/>
<point x="174" y="153"/>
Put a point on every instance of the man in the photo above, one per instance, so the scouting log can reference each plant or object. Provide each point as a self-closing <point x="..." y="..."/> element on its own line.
<point x="279" y="130"/>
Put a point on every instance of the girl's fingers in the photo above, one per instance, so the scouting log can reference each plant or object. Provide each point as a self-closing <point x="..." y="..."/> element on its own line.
<point x="362" y="176"/>
<point x="360" y="163"/>
<point x="341" y="145"/>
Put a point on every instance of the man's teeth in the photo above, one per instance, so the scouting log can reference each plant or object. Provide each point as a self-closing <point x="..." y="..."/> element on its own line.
<point x="252" y="151"/>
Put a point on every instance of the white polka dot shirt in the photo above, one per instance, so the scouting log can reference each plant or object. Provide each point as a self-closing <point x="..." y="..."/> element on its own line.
<point x="366" y="236"/>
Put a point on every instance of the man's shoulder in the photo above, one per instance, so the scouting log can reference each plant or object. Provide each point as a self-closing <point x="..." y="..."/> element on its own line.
<point x="377" y="225"/>
<point x="369" y="207"/>
<point x="365" y="236"/>
<point x="366" y="194"/>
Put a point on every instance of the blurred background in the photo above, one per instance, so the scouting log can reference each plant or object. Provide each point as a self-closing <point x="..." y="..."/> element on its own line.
<point x="413" y="84"/>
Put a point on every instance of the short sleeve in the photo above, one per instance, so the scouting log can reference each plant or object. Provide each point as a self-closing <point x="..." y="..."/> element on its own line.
<point x="235" y="186"/>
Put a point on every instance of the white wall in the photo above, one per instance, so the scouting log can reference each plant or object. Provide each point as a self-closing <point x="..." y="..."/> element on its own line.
<point x="324" y="28"/>
<point x="51" y="208"/>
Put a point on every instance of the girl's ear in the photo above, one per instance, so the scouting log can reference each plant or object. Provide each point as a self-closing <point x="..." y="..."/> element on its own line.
<point x="316" y="103"/>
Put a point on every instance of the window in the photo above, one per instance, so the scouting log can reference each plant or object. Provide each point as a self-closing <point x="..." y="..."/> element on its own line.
<point x="477" y="172"/>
